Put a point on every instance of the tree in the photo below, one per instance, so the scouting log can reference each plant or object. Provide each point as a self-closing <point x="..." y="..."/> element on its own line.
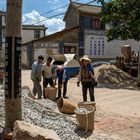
<point x="124" y="16"/>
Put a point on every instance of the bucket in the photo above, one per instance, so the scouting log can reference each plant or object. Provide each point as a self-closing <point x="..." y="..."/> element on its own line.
<point x="87" y="103"/>
<point x="66" y="106"/>
<point x="85" y="117"/>
<point x="50" y="93"/>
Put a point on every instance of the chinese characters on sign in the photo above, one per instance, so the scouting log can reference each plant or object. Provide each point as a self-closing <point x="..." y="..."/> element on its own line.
<point x="13" y="68"/>
<point x="97" y="45"/>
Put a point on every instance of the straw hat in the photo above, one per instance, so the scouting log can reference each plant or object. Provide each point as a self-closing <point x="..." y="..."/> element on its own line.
<point x="85" y="57"/>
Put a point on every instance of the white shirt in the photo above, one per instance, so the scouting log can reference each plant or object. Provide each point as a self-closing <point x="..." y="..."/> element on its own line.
<point x="47" y="70"/>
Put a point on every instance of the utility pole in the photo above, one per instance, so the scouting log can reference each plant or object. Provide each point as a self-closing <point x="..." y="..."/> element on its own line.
<point x="13" y="109"/>
<point x="138" y="83"/>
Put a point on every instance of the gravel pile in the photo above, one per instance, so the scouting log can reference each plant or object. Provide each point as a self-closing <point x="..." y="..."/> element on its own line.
<point x="41" y="113"/>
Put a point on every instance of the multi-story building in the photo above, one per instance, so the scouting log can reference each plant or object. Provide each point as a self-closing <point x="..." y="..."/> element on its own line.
<point x="29" y="32"/>
<point x="92" y="32"/>
<point x="86" y="17"/>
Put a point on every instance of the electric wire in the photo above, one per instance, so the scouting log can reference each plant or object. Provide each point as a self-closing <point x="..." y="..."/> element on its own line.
<point x="46" y="18"/>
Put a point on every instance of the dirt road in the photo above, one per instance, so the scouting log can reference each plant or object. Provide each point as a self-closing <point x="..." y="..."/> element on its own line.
<point x="118" y="110"/>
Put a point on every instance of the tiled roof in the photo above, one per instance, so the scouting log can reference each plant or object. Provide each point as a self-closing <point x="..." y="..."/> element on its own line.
<point x="2" y="13"/>
<point x="85" y="8"/>
<point x="25" y="26"/>
<point x="49" y="37"/>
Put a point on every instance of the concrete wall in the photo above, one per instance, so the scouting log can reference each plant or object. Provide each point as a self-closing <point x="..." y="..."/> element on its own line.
<point x="3" y="20"/>
<point x="72" y="18"/>
<point x="28" y="35"/>
<point x="24" y="55"/>
<point x="38" y="49"/>
<point x="97" y="46"/>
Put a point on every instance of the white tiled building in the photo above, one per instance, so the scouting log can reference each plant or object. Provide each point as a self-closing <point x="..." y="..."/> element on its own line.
<point x="29" y="32"/>
<point x="92" y="32"/>
<point x="97" y="46"/>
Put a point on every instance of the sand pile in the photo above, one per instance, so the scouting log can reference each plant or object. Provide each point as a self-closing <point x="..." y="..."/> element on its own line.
<point x="110" y="74"/>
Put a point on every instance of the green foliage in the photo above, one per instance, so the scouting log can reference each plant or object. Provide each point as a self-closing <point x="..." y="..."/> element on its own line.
<point x="124" y="17"/>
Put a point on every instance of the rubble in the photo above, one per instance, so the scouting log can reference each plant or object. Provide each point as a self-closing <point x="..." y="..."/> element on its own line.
<point x="26" y="131"/>
<point x="41" y="113"/>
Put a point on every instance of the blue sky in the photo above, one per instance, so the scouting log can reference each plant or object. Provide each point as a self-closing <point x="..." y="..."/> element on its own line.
<point x="37" y="12"/>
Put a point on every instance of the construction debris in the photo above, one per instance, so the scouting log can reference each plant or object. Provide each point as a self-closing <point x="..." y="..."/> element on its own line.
<point x="111" y="75"/>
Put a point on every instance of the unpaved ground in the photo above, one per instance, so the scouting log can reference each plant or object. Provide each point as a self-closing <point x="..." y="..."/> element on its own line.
<point x="117" y="114"/>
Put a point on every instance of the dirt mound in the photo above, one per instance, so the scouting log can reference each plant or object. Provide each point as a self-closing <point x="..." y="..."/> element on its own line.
<point x="110" y="74"/>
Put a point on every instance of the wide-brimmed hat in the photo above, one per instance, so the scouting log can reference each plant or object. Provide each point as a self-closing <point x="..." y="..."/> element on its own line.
<point x="85" y="57"/>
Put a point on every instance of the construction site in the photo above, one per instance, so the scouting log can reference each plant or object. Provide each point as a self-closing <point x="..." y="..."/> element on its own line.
<point x="116" y="117"/>
<point x="113" y="115"/>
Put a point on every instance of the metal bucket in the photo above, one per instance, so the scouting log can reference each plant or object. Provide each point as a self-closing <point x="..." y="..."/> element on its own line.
<point x="85" y="117"/>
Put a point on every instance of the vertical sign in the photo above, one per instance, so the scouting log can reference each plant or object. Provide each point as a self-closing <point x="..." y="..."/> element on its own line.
<point x="17" y="66"/>
<point x="8" y="67"/>
<point x="13" y="109"/>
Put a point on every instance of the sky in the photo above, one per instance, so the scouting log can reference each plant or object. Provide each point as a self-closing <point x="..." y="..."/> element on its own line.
<point x="44" y="12"/>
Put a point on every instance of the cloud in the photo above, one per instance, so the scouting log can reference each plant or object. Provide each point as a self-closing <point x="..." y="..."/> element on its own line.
<point x="52" y="1"/>
<point x="53" y="24"/>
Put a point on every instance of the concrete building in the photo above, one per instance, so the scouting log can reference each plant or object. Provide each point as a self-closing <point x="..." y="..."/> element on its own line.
<point x="29" y="32"/>
<point x="62" y="42"/>
<point x="92" y="33"/>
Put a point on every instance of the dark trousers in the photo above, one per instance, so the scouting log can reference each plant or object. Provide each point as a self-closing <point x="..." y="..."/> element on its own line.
<point x="65" y="88"/>
<point x="85" y="87"/>
<point x="47" y="81"/>
<point x="59" y="87"/>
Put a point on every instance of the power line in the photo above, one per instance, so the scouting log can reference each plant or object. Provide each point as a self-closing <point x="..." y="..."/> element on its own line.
<point x="54" y="9"/>
<point x="49" y="12"/>
<point x="50" y="17"/>
<point x="38" y="21"/>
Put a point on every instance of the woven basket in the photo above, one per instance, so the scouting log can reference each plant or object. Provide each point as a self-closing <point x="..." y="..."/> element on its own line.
<point x="66" y="106"/>
<point x="87" y="103"/>
<point x="50" y="93"/>
<point x="85" y="119"/>
<point x="59" y="57"/>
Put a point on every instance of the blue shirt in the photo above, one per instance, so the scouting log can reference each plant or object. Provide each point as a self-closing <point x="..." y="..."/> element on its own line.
<point x="36" y="71"/>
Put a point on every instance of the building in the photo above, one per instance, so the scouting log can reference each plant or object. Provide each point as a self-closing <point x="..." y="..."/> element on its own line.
<point x="62" y="42"/>
<point x="92" y="33"/>
<point x="29" y="32"/>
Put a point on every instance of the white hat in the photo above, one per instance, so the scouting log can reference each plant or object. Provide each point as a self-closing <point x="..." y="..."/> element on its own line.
<point x="85" y="57"/>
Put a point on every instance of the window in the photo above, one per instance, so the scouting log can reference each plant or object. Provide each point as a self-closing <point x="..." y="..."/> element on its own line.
<point x="69" y="49"/>
<point x="96" y="24"/>
<point x="37" y="33"/>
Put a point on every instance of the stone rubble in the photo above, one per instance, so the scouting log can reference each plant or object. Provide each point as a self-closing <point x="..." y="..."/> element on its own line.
<point x="41" y="113"/>
<point x="25" y="131"/>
